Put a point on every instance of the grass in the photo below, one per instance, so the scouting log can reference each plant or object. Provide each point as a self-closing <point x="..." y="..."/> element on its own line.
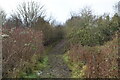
<point x="78" y="69"/>
<point x="39" y="63"/>
<point x="50" y="47"/>
<point x="44" y="63"/>
<point x="35" y="68"/>
<point x="31" y="76"/>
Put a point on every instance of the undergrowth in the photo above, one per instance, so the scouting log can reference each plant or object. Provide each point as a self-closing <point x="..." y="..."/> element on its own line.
<point x="77" y="69"/>
<point x="39" y="64"/>
<point x="32" y="70"/>
<point x="93" y="62"/>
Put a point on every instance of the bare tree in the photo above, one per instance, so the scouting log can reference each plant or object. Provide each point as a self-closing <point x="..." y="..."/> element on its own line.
<point x="28" y="12"/>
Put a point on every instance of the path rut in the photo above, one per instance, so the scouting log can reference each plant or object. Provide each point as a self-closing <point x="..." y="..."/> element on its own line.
<point x="57" y="67"/>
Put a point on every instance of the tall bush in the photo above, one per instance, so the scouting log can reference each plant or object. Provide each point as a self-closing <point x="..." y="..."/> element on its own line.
<point x="19" y="45"/>
<point x="101" y="61"/>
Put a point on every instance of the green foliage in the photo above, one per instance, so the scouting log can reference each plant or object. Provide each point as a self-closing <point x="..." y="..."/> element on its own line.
<point x="86" y="37"/>
<point x="90" y="30"/>
<point x="50" y="33"/>
<point x="93" y="58"/>
<point x="78" y="69"/>
<point x="93" y="62"/>
<point x="30" y="70"/>
<point x="43" y="63"/>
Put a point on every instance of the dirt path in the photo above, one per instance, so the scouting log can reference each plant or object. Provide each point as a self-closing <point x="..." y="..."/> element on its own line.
<point x="57" y="67"/>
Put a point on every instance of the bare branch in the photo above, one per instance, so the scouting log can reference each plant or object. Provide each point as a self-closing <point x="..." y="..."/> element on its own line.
<point x="29" y="12"/>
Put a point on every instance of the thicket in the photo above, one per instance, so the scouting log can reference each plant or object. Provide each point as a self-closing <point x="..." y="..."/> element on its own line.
<point x="51" y="33"/>
<point x="90" y="30"/>
<point x="19" y="46"/>
<point x="94" y="62"/>
<point x="25" y="35"/>
<point x="93" y="45"/>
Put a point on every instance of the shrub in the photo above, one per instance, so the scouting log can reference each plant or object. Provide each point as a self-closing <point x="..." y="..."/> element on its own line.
<point x="101" y="61"/>
<point x="18" y="47"/>
<point x="51" y="34"/>
<point x="91" y="31"/>
<point x="87" y="37"/>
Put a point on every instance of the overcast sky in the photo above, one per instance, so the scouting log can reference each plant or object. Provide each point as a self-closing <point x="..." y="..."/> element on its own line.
<point x="61" y="9"/>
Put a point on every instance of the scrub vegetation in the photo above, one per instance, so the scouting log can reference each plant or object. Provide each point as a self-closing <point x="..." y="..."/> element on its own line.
<point x="85" y="46"/>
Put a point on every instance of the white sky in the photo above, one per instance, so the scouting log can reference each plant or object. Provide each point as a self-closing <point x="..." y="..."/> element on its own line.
<point x="61" y="9"/>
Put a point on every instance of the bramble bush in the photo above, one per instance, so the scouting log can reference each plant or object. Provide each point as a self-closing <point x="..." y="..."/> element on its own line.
<point x="19" y="46"/>
<point x="100" y="61"/>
